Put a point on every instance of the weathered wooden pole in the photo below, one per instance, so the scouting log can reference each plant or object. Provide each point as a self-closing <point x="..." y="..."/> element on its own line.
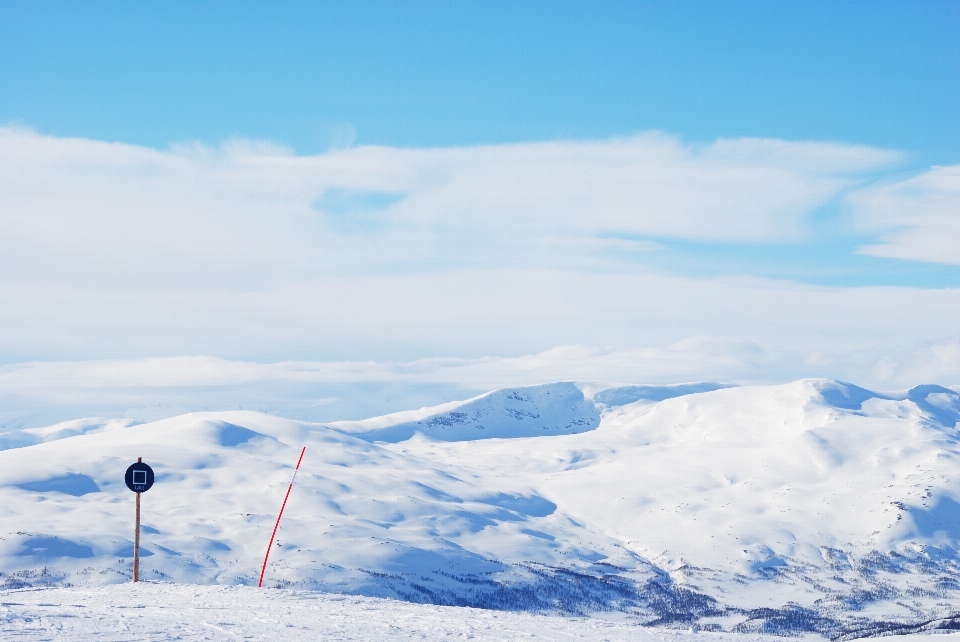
<point x="136" y="539"/>
<point x="138" y="478"/>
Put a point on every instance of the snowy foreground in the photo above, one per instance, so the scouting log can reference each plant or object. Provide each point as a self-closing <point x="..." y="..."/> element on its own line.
<point x="189" y="612"/>
<point x="815" y="507"/>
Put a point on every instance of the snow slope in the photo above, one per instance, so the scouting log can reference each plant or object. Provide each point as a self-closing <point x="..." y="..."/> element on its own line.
<point x="32" y="436"/>
<point x="811" y="506"/>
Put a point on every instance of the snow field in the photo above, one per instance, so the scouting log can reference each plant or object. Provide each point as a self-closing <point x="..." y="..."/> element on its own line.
<point x="814" y="506"/>
<point x="150" y="611"/>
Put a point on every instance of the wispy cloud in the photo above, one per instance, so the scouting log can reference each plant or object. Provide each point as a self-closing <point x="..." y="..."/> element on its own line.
<point x="918" y="218"/>
<point x="107" y="214"/>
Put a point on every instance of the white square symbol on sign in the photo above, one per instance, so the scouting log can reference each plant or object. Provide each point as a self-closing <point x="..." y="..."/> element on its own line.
<point x="139" y="478"/>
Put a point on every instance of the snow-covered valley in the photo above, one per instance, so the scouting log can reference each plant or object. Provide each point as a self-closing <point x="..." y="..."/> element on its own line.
<point x="812" y="507"/>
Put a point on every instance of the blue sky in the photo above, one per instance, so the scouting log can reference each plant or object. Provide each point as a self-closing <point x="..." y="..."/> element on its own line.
<point x="418" y="74"/>
<point x="313" y="76"/>
<point x="759" y="190"/>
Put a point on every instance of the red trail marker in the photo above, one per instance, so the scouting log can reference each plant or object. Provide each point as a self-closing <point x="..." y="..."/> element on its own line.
<point x="277" y="525"/>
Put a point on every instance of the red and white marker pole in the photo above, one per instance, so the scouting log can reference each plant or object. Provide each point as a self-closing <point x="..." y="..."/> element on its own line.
<point x="277" y="525"/>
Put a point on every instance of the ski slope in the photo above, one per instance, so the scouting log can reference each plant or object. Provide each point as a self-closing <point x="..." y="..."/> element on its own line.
<point x="814" y="506"/>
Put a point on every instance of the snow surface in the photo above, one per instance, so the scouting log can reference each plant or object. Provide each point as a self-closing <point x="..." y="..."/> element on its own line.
<point x="190" y="612"/>
<point x="815" y="506"/>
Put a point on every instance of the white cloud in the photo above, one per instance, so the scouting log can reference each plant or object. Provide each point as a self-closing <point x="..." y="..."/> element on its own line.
<point x="113" y="215"/>
<point x="463" y="313"/>
<point x="742" y="190"/>
<point x="918" y="218"/>
<point x="251" y="252"/>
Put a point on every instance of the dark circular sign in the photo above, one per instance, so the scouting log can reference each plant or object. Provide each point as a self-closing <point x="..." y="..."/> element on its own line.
<point x="139" y="477"/>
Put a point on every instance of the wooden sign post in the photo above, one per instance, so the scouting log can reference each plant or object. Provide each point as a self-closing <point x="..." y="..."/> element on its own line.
<point x="136" y="539"/>
<point x="139" y="479"/>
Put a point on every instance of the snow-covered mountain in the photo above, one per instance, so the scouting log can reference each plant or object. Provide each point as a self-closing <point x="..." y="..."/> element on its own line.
<point x="535" y="411"/>
<point x="815" y="505"/>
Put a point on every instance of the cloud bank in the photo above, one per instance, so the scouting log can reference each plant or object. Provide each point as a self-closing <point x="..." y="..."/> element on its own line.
<point x="105" y="215"/>
<point x="43" y="393"/>
<point x="402" y="258"/>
